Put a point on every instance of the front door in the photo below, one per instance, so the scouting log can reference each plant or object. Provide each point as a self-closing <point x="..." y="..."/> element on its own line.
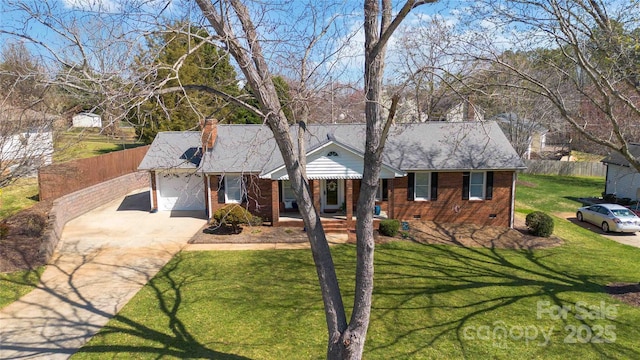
<point x="333" y="194"/>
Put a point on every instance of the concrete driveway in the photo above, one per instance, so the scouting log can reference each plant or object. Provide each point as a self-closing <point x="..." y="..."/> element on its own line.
<point x="104" y="258"/>
<point x="623" y="238"/>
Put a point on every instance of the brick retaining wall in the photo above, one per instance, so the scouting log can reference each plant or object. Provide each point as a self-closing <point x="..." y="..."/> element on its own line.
<point x="71" y="206"/>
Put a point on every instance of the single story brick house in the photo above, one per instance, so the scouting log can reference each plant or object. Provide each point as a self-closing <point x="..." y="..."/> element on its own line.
<point x="462" y="172"/>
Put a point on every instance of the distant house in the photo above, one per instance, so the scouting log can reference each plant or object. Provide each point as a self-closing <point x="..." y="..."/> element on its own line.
<point x="464" y="111"/>
<point x="87" y="120"/>
<point x="26" y="141"/>
<point x="525" y="135"/>
<point x="622" y="179"/>
<point x="461" y="172"/>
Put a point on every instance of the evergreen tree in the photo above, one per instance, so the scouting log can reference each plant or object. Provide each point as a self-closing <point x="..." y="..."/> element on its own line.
<point x="207" y="65"/>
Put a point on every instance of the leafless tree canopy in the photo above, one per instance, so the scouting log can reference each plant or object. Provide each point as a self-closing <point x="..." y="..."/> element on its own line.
<point x="579" y="56"/>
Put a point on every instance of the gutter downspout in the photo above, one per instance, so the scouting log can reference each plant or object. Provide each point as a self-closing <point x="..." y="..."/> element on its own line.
<point x="208" y="190"/>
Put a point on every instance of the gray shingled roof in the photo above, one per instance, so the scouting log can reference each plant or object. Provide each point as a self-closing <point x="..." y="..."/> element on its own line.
<point x="416" y="146"/>
<point x="173" y="150"/>
<point x="617" y="158"/>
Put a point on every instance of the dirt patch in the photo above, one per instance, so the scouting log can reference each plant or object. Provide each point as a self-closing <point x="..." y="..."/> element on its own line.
<point x="249" y="235"/>
<point x="20" y="249"/>
<point x="628" y="293"/>
<point x="470" y="235"/>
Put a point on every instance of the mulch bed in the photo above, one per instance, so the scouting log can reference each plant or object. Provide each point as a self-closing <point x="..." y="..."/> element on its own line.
<point x="20" y="249"/>
<point x="249" y="235"/>
<point x="470" y="235"/>
<point x="628" y="293"/>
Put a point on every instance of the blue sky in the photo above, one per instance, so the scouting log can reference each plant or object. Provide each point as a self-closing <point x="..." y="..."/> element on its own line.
<point x="130" y="18"/>
<point x="106" y="29"/>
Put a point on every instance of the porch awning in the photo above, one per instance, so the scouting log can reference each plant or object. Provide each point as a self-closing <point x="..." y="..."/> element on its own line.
<point x="332" y="160"/>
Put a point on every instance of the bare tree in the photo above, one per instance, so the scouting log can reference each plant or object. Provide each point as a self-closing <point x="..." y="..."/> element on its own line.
<point x="26" y="123"/>
<point x="249" y="38"/>
<point x="430" y="72"/>
<point x="585" y="57"/>
<point x="346" y="339"/>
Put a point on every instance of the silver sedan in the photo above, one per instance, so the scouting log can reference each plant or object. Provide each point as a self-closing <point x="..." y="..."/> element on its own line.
<point x="610" y="217"/>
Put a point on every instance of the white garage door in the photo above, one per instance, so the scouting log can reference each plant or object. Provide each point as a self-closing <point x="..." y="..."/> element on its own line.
<point x="180" y="191"/>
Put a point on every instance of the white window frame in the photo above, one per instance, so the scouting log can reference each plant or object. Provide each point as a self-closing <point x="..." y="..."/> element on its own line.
<point x="287" y="191"/>
<point x="416" y="184"/>
<point x="227" y="188"/>
<point x="483" y="185"/>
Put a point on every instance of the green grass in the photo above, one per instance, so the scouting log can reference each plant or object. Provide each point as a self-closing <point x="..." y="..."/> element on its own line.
<point x="554" y="194"/>
<point x="430" y="302"/>
<point x="14" y="285"/>
<point x="20" y="195"/>
<point x="72" y="150"/>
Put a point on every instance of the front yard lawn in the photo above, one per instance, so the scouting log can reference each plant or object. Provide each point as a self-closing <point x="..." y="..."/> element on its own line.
<point x="16" y="284"/>
<point x="430" y="301"/>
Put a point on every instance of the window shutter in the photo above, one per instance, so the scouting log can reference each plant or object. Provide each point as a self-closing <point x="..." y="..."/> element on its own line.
<point x="280" y="187"/>
<point x="489" y="186"/>
<point x="412" y="180"/>
<point x="221" y="197"/>
<point x="385" y="190"/>
<point x="434" y="186"/>
<point x="465" y="185"/>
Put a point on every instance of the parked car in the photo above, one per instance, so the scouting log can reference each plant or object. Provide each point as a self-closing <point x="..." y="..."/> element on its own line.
<point x="610" y="217"/>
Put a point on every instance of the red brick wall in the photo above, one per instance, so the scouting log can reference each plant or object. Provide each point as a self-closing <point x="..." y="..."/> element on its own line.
<point x="72" y="205"/>
<point x="449" y="207"/>
<point x="259" y="197"/>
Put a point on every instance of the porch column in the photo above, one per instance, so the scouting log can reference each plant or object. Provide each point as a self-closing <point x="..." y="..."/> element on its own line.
<point x="154" y="192"/>
<point x="275" y="202"/>
<point x="392" y="198"/>
<point x="315" y="190"/>
<point x="349" y="201"/>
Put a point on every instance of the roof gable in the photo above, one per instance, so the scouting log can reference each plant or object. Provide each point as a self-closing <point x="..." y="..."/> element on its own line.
<point x="333" y="160"/>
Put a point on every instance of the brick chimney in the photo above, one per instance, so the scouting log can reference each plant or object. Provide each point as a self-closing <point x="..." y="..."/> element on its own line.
<point x="209" y="133"/>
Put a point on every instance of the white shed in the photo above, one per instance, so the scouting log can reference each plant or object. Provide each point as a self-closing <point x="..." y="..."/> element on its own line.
<point x="87" y="120"/>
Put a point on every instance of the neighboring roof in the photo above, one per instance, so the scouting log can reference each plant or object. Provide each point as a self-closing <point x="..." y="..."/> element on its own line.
<point x="410" y="147"/>
<point x="617" y="158"/>
<point x="88" y="114"/>
<point x="173" y="150"/>
<point x="512" y="119"/>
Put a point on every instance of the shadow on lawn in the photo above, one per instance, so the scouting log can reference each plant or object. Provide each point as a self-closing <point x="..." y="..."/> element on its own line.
<point x="412" y="280"/>
<point x="179" y="343"/>
<point x="60" y="327"/>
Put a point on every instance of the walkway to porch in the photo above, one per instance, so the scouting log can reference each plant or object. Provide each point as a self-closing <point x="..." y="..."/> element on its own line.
<point x="331" y="222"/>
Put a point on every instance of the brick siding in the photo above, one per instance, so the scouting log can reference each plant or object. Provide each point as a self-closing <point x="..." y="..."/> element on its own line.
<point x="450" y="208"/>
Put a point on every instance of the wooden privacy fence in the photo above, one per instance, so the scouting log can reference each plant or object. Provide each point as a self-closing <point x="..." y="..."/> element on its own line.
<point x="64" y="178"/>
<point x="568" y="168"/>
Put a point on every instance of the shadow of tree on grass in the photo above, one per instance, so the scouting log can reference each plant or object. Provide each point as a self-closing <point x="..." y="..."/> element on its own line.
<point x="75" y="309"/>
<point x="455" y="288"/>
